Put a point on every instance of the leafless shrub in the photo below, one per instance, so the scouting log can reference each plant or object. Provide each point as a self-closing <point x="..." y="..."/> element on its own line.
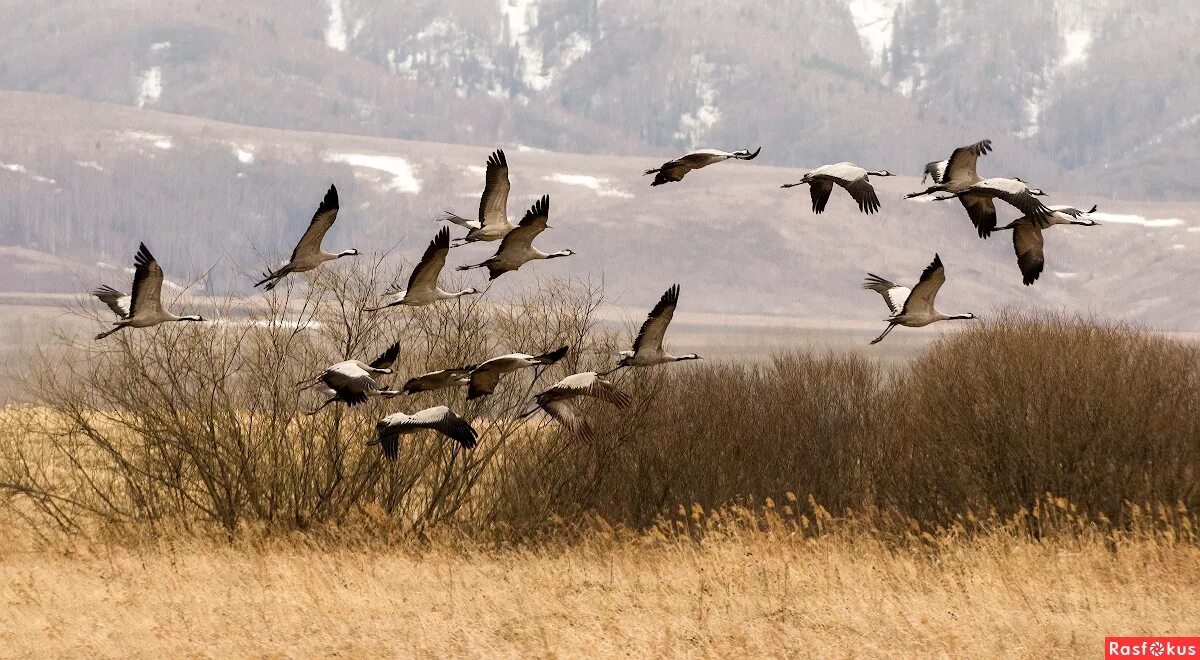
<point x="1002" y="412"/>
<point x="204" y="423"/>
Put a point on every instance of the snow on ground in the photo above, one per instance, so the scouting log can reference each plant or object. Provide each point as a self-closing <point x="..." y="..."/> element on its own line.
<point x="1131" y="219"/>
<point x="1075" y="46"/>
<point x="873" y="20"/>
<point x="20" y="169"/>
<point x="90" y="164"/>
<point x="598" y="184"/>
<point x="160" y="141"/>
<point x="1066" y="276"/>
<point x="245" y="154"/>
<point x="403" y="177"/>
<point x="694" y="126"/>
<point x="150" y="86"/>
<point x="160" y="46"/>
<point x="335" y="30"/>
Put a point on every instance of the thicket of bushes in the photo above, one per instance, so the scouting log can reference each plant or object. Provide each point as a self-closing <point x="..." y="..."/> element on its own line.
<point x="201" y="424"/>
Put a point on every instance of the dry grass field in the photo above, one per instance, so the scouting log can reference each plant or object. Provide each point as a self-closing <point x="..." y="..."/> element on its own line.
<point x="1020" y="487"/>
<point x="747" y="594"/>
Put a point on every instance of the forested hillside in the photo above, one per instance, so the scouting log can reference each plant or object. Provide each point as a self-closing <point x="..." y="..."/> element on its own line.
<point x="1097" y="96"/>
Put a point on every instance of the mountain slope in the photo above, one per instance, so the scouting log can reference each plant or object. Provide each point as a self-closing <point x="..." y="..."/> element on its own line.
<point x="1092" y="95"/>
<point x="234" y="199"/>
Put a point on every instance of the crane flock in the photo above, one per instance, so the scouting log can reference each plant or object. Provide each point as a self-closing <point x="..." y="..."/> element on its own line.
<point x="352" y="381"/>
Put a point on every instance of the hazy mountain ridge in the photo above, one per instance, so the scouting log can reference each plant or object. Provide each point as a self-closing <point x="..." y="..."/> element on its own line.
<point x="1085" y="96"/>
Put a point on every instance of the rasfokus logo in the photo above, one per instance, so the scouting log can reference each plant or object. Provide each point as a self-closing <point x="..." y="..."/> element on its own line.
<point x="1151" y="647"/>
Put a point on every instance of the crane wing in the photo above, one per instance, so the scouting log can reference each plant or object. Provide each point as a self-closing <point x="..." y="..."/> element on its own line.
<point x="322" y="220"/>
<point x="147" y="283"/>
<point x="425" y="275"/>
<point x="1028" y="244"/>
<point x="923" y="294"/>
<point x="350" y="383"/>
<point x="961" y="164"/>
<point x="118" y="302"/>
<point x="893" y="294"/>
<point x="1027" y="204"/>
<point x="493" y="205"/>
<point x="534" y="223"/>
<point x="863" y="192"/>
<point x="387" y="358"/>
<point x="483" y="382"/>
<point x="937" y="170"/>
<point x="654" y="328"/>
<point x="439" y="418"/>
<point x="567" y="414"/>
<point x="820" y="190"/>
<point x="588" y="383"/>
<point x="982" y="212"/>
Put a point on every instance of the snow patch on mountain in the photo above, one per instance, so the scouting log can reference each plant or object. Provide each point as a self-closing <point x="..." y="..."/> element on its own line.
<point x="537" y="73"/>
<point x="17" y="168"/>
<point x="1073" y="52"/>
<point x="521" y="17"/>
<point x="335" y="29"/>
<point x="159" y="141"/>
<point x="1133" y="219"/>
<point x="601" y="185"/>
<point x="403" y="180"/>
<point x="149" y="86"/>
<point x="873" y="21"/>
<point x="1075" y="47"/>
<point x="694" y="126"/>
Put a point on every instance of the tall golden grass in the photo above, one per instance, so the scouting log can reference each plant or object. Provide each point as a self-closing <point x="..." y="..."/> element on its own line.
<point x="1021" y="488"/>
<point x="755" y="582"/>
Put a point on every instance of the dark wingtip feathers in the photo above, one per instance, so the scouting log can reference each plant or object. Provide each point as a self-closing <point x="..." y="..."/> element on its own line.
<point x="143" y="255"/>
<point x="497" y="159"/>
<point x="540" y="207"/>
<point x="331" y="200"/>
<point x="554" y="356"/>
<point x="442" y="240"/>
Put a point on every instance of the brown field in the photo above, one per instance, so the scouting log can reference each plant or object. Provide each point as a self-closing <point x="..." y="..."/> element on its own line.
<point x="742" y="594"/>
<point x="1022" y="488"/>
